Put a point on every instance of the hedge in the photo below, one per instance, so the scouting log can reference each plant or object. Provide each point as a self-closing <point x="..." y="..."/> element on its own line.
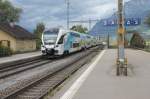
<point x="5" y="51"/>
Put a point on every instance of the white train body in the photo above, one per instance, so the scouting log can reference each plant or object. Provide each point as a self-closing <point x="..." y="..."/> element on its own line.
<point x="59" y="42"/>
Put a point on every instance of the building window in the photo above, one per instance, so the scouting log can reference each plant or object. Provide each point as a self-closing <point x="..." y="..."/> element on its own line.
<point x="5" y="43"/>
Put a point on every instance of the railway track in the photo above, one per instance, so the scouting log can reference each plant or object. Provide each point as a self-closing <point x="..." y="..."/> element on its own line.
<point x="12" y="68"/>
<point x="40" y="87"/>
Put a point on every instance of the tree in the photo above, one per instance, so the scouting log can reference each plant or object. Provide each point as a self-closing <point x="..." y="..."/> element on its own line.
<point x="137" y="41"/>
<point x="9" y="13"/>
<point x="38" y="33"/>
<point x="79" y="28"/>
<point x="147" y="21"/>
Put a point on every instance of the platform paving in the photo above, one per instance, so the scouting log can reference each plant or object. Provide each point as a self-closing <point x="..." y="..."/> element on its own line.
<point x="102" y="83"/>
<point x="19" y="56"/>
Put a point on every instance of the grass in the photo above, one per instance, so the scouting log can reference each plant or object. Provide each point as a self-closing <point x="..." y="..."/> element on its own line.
<point x="147" y="49"/>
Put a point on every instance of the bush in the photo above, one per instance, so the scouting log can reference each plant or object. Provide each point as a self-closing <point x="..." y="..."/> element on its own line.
<point x="137" y="41"/>
<point x="38" y="44"/>
<point x="5" y="51"/>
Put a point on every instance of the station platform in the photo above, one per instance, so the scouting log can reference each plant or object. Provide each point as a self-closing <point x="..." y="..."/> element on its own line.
<point x="99" y="80"/>
<point x="19" y="57"/>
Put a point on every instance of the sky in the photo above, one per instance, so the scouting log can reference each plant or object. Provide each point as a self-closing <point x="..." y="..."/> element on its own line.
<point x="53" y="12"/>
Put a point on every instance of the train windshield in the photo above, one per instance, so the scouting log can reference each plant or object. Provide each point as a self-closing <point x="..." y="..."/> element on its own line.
<point x="50" y="37"/>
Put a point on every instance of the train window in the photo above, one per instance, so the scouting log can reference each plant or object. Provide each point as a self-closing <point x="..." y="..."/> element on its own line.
<point x="88" y="37"/>
<point x="75" y="35"/>
<point x="76" y="45"/>
<point x="61" y="39"/>
<point x="50" y="37"/>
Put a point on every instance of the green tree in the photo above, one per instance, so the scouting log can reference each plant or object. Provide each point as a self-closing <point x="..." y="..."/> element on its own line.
<point x="8" y="12"/>
<point x="38" y="33"/>
<point x="137" y="41"/>
<point x="147" y="21"/>
<point x="79" y="28"/>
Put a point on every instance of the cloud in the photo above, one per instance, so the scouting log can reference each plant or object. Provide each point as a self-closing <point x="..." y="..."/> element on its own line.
<point x="53" y="12"/>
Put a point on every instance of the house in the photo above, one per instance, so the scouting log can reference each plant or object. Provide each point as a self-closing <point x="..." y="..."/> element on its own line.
<point x="17" y="38"/>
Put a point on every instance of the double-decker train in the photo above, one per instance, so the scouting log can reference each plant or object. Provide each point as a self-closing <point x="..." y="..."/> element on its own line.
<point x="59" y="42"/>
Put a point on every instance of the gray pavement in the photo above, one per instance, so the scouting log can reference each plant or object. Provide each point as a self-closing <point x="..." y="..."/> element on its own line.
<point x="19" y="56"/>
<point x="103" y="84"/>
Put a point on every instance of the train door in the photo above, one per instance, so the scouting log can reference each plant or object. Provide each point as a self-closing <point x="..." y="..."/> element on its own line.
<point x="60" y="45"/>
<point x="76" y="42"/>
<point x="67" y="43"/>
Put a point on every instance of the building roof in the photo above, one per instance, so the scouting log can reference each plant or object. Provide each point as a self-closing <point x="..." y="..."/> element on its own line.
<point x="16" y="31"/>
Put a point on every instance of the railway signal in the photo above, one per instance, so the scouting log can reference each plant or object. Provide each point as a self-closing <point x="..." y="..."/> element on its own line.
<point x="121" y="60"/>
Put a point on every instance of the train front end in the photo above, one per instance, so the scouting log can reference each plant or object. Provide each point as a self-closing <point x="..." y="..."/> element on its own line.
<point x="49" y="39"/>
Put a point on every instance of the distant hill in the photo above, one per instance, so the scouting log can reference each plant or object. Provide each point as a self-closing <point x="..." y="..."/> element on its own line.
<point x="133" y="9"/>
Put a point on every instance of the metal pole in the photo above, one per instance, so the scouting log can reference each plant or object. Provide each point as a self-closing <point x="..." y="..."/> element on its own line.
<point x="108" y="40"/>
<point x="90" y="22"/>
<point x="120" y="30"/>
<point x="68" y="14"/>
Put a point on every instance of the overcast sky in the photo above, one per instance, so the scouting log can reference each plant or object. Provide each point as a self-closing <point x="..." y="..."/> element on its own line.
<point x="53" y="12"/>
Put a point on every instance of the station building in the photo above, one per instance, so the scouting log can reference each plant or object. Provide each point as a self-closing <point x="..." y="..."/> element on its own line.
<point x="17" y="38"/>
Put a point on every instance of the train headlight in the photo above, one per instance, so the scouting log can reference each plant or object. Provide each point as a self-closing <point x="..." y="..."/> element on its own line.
<point x="57" y="46"/>
<point x="43" y="48"/>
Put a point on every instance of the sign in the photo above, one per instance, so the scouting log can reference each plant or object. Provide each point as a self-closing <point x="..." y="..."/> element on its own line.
<point x="110" y="22"/>
<point x="132" y="22"/>
<point x="128" y="22"/>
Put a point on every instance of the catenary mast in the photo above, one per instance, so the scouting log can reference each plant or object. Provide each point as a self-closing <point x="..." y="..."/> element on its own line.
<point x="121" y="60"/>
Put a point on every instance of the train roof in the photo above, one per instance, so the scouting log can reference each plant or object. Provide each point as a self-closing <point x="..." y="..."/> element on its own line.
<point x="85" y="34"/>
<point x="66" y="31"/>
